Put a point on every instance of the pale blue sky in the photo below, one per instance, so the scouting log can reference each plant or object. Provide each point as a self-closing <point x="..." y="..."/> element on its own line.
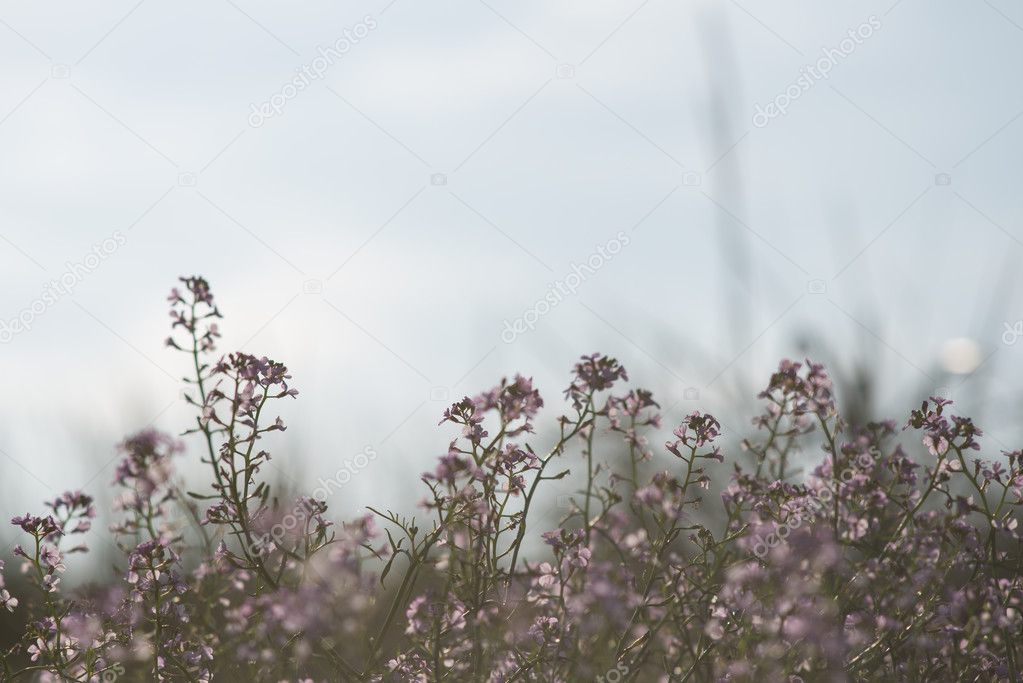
<point x="556" y="125"/>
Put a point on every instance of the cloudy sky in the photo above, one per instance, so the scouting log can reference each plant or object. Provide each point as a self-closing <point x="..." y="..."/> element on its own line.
<point x="843" y="174"/>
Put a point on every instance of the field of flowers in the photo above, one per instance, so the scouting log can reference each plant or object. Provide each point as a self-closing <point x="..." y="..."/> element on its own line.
<point x="896" y="556"/>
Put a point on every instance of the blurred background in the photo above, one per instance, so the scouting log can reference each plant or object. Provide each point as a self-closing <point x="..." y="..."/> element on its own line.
<point x="405" y="201"/>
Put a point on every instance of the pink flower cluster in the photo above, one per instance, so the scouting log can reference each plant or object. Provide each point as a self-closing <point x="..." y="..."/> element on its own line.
<point x="876" y="560"/>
